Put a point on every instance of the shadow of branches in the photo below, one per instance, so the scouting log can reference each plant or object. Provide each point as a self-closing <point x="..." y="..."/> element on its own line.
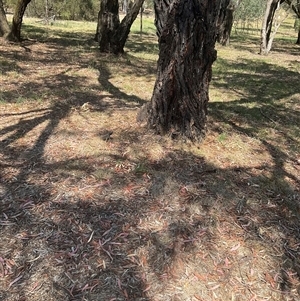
<point x="136" y="217"/>
<point x="267" y="110"/>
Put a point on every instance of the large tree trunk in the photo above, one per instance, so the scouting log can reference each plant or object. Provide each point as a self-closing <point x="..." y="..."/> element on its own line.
<point x="4" y="26"/>
<point x="111" y="34"/>
<point x="15" y="33"/>
<point x="187" y="32"/>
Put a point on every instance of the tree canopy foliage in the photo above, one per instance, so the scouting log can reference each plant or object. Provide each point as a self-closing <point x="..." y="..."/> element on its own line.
<point x="249" y="11"/>
<point x="67" y="9"/>
<point x="267" y="14"/>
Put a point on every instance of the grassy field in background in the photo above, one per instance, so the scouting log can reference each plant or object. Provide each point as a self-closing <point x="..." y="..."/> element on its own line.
<point x="93" y="206"/>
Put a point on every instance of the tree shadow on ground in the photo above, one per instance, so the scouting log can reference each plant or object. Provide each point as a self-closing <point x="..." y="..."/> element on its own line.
<point x="121" y="226"/>
<point x="25" y="184"/>
<point x="67" y="82"/>
<point x="57" y="36"/>
<point x="8" y="66"/>
<point x="268" y="112"/>
<point x="117" y="94"/>
<point x="147" y="44"/>
<point x="265" y="93"/>
<point x="93" y="242"/>
<point x="251" y="42"/>
<point x="108" y="226"/>
<point x="106" y="237"/>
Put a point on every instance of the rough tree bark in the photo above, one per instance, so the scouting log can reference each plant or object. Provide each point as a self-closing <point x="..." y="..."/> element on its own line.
<point x="4" y="26"/>
<point x="108" y="22"/>
<point x="186" y="32"/>
<point x="112" y="34"/>
<point x="225" y="24"/>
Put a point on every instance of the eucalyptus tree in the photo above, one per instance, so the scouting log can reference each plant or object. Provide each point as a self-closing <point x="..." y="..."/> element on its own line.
<point x="111" y="34"/>
<point x="187" y="31"/>
<point x="249" y="11"/>
<point x="226" y="22"/>
<point x="4" y="26"/>
<point x="296" y="8"/>
<point x="14" y="32"/>
<point x="63" y="9"/>
<point x="276" y="12"/>
<point x="269" y="29"/>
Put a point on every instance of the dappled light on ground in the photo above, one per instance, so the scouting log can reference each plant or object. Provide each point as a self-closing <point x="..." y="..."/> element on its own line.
<point x="95" y="207"/>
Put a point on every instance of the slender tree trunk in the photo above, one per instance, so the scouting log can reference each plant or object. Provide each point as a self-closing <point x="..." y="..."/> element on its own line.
<point x="125" y="6"/>
<point x="15" y="33"/>
<point x="47" y="11"/>
<point x="111" y="33"/>
<point x="187" y="32"/>
<point x="141" y="19"/>
<point x="267" y="35"/>
<point x="4" y="26"/>
<point x="296" y="9"/>
<point x="264" y="28"/>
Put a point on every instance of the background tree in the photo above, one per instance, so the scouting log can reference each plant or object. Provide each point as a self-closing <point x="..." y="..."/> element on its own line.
<point x="108" y="22"/>
<point x="4" y="26"/>
<point x="296" y="8"/>
<point x="64" y="9"/>
<point x="79" y="10"/>
<point x="124" y="5"/>
<point x="187" y="31"/>
<point x="14" y="32"/>
<point x="270" y="25"/>
<point x="248" y="12"/>
<point x="226" y="22"/>
<point x="112" y="34"/>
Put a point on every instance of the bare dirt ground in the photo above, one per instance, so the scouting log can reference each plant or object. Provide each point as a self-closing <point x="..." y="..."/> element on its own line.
<point x="95" y="207"/>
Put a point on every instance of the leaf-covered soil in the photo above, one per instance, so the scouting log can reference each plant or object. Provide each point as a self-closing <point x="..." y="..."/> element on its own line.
<point x="93" y="206"/>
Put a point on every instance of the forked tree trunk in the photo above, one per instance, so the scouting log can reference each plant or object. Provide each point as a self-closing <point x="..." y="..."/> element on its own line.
<point x="112" y="34"/>
<point x="15" y="33"/>
<point x="267" y="30"/>
<point x="187" y="32"/>
<point x="120" y="37"/>
<point x="4" y="26"/>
